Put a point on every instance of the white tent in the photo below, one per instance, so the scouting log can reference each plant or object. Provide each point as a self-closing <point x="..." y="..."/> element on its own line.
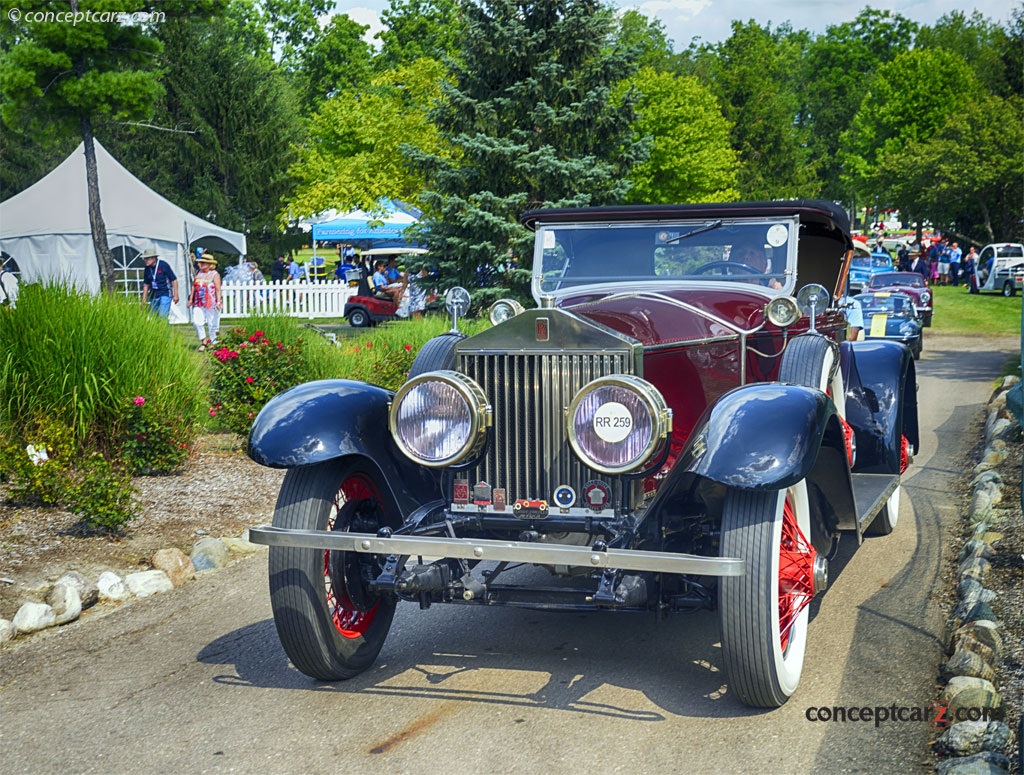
<point x="45" y="228"/>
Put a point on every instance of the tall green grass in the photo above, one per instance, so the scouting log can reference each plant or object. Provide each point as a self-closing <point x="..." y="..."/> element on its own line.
<point x="77" y="359"/>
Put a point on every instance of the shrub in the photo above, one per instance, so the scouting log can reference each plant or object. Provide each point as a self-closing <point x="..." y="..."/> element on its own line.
<point x="79" y="361"/>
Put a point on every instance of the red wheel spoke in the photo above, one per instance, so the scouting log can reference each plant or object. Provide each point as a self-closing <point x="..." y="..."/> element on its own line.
<point x="796" y="573"/>
<point x="349" y="621"/>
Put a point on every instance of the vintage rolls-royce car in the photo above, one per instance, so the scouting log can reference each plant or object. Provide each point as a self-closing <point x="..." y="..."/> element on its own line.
<point x="913" y="285"/>
<point x="679" y="424"/>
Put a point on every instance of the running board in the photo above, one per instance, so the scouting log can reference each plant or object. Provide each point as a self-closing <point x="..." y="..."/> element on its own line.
<point x="870" y="492"/>
<point x="500" y="551"/>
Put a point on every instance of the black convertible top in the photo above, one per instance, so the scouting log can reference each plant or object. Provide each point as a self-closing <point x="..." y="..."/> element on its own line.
<point x="820" y="212"/>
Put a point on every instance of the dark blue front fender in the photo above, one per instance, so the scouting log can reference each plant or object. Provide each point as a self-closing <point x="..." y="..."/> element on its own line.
<point x="764" y="436"/>
<point x="328" y="419"/>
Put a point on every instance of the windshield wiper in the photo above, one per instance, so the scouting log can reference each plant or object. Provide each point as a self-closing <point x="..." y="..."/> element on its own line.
<point x="710" y="227"/>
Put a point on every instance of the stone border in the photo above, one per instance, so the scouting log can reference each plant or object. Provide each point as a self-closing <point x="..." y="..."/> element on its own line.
<point x="972" y="636"/>
<point x="72" y="592"/>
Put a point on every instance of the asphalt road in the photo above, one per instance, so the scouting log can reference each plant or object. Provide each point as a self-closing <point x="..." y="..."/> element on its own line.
<point x="196" y="681"/>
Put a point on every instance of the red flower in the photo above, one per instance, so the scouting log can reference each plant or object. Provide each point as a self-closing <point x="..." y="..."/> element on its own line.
<point x="259" y="334"/>
<point x="369" y="345"/>
<point x="213" y="412"/>
<point x="138" y="400"/>
<point x="250" y="380"/>
<point x="408" y="347"/>
<point x="253" y="338"/>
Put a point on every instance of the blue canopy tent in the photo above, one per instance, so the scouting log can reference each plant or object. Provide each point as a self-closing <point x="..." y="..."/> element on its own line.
<point x="364" y="231"/>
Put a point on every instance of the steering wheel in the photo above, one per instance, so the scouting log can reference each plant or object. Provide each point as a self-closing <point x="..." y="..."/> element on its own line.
<point x="713" y="265"/>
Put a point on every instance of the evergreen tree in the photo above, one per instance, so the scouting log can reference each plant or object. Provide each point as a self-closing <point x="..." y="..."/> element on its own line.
<point x="531" y="113"/>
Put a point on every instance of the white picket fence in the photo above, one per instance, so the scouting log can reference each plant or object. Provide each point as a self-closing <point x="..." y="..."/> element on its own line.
<point x="298" y="299"/>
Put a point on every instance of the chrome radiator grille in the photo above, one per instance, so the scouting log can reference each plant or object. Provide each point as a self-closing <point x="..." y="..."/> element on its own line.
<point x="530" y="455"/>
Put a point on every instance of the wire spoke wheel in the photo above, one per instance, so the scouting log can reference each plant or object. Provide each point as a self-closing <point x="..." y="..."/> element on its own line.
<point x="764" y="613"/>
<point x="331" y="623"/>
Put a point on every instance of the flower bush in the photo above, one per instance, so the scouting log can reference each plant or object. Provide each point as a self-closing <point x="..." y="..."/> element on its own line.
<point x="251" y="369"/>
<point x="152" y="443"/>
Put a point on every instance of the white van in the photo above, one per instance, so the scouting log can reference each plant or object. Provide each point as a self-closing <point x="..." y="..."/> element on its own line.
<point x="1007" y="271"/>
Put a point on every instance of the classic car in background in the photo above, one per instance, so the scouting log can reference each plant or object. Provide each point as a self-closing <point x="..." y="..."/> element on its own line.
<point x="912" y="284"/>
<point x="678" y="425"/>
<point x="1005" y="273"/>
<point x="865" y="265"/>
<point x="891" y="315"/>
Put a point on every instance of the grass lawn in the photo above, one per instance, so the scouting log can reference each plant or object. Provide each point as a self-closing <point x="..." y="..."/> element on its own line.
<point x="986" y="314"/>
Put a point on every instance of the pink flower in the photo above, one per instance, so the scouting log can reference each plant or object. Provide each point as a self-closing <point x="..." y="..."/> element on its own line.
<point x="213" y="412"/>
<point x="408" y="347"/>
<point x="250" y="380"/>
<point x="138" y="400"/>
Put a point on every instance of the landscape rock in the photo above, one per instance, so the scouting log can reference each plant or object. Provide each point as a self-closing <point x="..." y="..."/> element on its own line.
<point x="88" y="592"/>
<point x="7" y="630"/>
<point x="970" y="737"/>
<point x="986" y="631"/>
<point x="979" y="696"/>
<point x="241" y="545"/>
<point x="209" y="553"/>
<point x="984" y="763"/>
<point x="148" y="582"/>
<point x="969" y="663"/>
<point x="111" y="588"/>
<point x="65" y="601"/>
<point x="32" y="617"/>
<point x="176" y="564"/>
<point x="975" y="568"/>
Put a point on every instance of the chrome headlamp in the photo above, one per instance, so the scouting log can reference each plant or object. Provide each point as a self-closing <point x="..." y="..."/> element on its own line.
<point x="782" y="311"/>
<point x="618" y="423"/>
<point x="926" y="296"/>
<point x="439" y="418"/>
<point x="504" y="309"/>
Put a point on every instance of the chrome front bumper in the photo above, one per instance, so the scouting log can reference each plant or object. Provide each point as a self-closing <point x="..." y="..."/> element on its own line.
<point x="501" y="551"/>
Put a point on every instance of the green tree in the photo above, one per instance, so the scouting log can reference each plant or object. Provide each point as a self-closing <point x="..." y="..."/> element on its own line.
<point x="337" y="59"/>
<point x="78" y="75"/>
<point x="900" y="107"/>
<point x="351" y="157"/>
<point x="839" y="66"/>
<point x="690" y="158"/>
<point x="978" y="40"/>
<point x="291" y="25"/>
<point x="534" y="124"/>
<point x="235" y="120"/>
<point x="417" y="29"/>
<point x="967" y="176"/>
<point x="755" y="74"/>
<point x="647" y="37"/>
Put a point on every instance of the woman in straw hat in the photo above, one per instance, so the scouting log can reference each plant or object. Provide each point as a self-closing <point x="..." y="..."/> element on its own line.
<point x="205" y="301"/>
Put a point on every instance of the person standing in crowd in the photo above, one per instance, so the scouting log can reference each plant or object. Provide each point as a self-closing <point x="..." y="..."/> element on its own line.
<point x="903" y="257"/>
<point x="159" y="284"/>
<point x="205" y="301"/>
<point x="918" y="264"/>
<point x="294" y="271"/>
<point x="971" y="271"/>
<point x="943" y="251"/>
<point x="9" y="287"/>
<point x="954" y="264"/>
<point x="278" y="270"/>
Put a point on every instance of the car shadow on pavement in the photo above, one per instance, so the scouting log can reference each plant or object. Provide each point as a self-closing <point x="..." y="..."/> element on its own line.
<point x="626" y="666"/>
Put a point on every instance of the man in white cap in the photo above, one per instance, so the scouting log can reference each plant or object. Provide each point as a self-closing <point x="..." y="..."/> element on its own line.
<point x="160" y="284"/>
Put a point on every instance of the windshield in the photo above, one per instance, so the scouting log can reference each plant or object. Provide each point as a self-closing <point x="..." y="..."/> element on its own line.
<point x="894" y="304"/>
<point x="755" y="252"/>
<point x="904" y="280"/>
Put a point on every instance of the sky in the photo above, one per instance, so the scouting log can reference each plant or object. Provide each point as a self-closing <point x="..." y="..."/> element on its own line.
<point x="711" y="20"/>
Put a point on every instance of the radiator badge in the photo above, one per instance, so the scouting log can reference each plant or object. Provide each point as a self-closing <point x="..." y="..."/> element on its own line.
<point x="564" y="496"/>
<point x="461" y="491"/>
<point x="482" y="494"/>
<point x="499" y="498"/>
<point x="596" y="495"/>
<point x="530" y="509"/>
